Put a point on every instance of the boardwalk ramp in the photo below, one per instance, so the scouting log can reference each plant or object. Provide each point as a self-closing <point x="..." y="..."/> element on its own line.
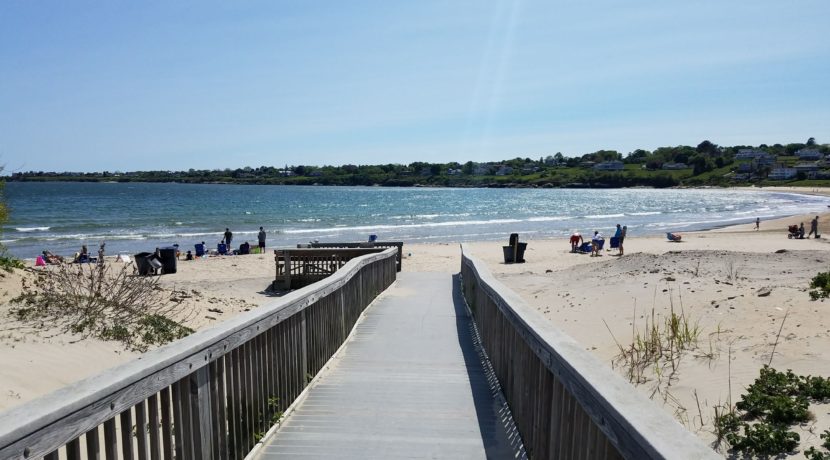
<point x="410" y="383"/>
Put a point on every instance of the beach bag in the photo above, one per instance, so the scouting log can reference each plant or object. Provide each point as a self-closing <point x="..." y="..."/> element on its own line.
<point x="39" y="262"/>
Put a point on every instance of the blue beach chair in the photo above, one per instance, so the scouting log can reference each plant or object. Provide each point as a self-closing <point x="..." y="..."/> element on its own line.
<point x="615" y="242"/>
<point x="200" y="250"/>
<point x="222" y="248"/>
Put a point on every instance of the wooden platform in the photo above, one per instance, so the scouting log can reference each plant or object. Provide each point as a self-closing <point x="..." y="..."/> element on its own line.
<point x="409" y="383"/>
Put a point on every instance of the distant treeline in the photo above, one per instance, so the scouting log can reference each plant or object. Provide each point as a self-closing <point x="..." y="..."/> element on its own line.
<point x="705" y="164"/>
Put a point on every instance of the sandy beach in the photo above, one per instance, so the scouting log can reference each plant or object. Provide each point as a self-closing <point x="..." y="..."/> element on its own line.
<point x="737" y="284"/>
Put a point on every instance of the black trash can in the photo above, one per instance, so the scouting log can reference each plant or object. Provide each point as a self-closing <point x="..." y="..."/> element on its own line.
<point x="520" y="254"/>
<point x="508" y="254"/>
<point x="142" y="262"/>
<point x="168" y="259"/>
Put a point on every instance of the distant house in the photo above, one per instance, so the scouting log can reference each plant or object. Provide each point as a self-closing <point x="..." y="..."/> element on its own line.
<point x="782" y="173"/>
<point x="453" y="172"/>
<point x="587" y="164"/>
<point x="481" y="169"/>
<point x="504" y="170"/>
<point x="675" y="166"/>
<point x="744" y="167"/>
<point x="809" y="155"/>
<point x="765" y="159"/>
<point x="614" y="165"/>
<point x="806" y="167"/>
<point x="748" y="154"/>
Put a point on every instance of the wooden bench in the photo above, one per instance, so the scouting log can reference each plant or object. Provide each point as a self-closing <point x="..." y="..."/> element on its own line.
<point x="297" y="268"/>
<point x="375" y="244"/>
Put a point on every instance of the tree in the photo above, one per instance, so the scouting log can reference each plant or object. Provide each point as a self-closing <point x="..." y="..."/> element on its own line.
<point x="811" y="142"/>
<point x="707" y="148"/>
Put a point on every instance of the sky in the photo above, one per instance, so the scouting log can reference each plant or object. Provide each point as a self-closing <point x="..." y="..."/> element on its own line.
<point x="161" y="85"/>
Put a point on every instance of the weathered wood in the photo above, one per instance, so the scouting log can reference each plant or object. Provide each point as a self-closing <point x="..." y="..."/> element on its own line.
<point x="180" y="440"/>
<point x="200" y="406"/>
<point x="52" y="456"/>
<point x="73" y="449"/>
<point x="166" y="424"/>
<point x="296" y="268"/>
<point x="376" y="244"/>
<point x="153" y="420"/>
<point x="126" y="420"/>
<point x="141" y="430"/>
<point x="93" y="448"/>
<point x="110" y="440"/>
<point x="47" y="424"/>
<point x="591" y="412"/>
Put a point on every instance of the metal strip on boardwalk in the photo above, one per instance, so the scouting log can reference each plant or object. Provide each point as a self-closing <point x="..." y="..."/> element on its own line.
<point x="410" y="383"/>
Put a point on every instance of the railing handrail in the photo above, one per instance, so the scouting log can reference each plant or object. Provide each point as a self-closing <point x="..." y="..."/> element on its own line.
<point x="181" y="357"/>
<point x="633" y="423"/>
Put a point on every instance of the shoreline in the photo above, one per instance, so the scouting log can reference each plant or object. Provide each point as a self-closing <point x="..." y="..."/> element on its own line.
<point x="576" y="292"/>
<point x="29" y="240"/>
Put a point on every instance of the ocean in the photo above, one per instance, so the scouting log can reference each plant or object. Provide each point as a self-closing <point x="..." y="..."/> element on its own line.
<point x="136" y="217"/>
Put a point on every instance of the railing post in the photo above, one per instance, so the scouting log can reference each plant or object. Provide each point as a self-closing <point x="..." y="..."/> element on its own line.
<point x="202" y="420"/>
<point x="304" y="347"/>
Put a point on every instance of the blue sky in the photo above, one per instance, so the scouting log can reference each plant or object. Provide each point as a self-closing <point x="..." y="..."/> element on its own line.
<point x="93" y="86"/>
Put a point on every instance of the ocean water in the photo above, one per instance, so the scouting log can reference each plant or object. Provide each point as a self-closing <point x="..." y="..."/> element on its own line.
<point x="133" y="217"/>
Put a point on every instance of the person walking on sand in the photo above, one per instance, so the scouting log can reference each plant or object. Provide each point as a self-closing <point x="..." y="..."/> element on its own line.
<point x="261" y="239"/>
<point x="228" y="237"/>
<point x="757" y="223"/>
<point x="813" y="228"/>
<point x="617" y="235"/>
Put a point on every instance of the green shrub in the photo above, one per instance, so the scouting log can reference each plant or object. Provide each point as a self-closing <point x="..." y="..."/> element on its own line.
<point x="821" y="286"/>
<point x="775" y="401"/>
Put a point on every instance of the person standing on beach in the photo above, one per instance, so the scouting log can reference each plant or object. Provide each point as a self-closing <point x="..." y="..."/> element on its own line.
<point x="618" y="235"/>
<point x="813" y="228"/>
<point x="757" y="223"/>
<point x="261" y="238"/>
<point x="622" y="237"/>
<point x="228" y="237"/>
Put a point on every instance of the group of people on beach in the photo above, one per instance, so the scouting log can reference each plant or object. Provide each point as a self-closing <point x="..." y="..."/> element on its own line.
<point x="224" y="246"/>
<point x="799" y="233"/>
<point x="598" y="241"/>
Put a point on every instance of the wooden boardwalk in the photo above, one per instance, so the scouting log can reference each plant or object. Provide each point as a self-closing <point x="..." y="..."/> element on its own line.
<point x="408" y="384"/>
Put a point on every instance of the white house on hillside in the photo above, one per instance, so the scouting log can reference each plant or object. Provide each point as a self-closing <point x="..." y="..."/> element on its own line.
<point x="782" y="173"/>
<point x="809" y="155"/>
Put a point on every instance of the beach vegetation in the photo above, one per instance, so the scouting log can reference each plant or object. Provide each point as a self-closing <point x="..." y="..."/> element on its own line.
<point x="820" y="285"/>
<point x="7" y="262"/>
<point x="94" y="300"/>
<point x="760" y="423"/>
<point x="705" y="164"/>
<point x="658" y="346"/>
<point x="814" y="454"/>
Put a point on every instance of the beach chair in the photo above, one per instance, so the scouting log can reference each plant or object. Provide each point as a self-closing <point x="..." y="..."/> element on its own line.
<point x="586" y="247"/>
<point x="200" y="250"/>
<point x="600" y="244"/>
<point x="222" y="248"/>
<point x="615" y="242"/>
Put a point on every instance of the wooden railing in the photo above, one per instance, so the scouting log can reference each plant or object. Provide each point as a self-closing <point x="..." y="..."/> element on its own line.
<point x="211" y="395"/>
<point x="375" y="244"/>
<point x="565" y="402"/>
<point x="297" y="268"/>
